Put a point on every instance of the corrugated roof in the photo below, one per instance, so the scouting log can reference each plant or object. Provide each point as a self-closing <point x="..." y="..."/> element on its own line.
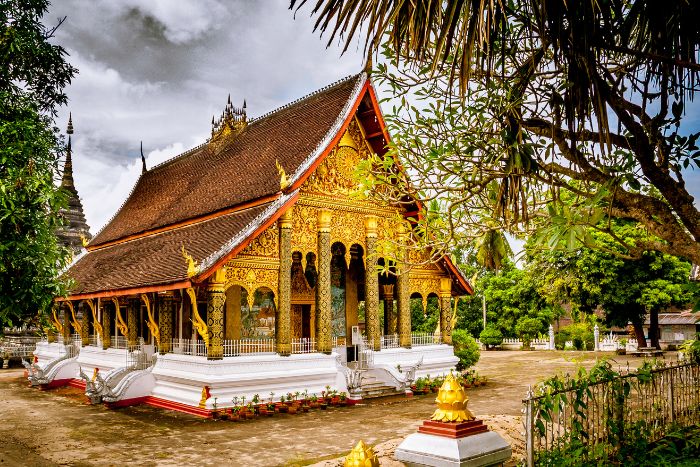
<point x="685" y="317"/>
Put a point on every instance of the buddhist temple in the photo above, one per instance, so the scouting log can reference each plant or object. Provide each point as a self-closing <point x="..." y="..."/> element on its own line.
<point x="247" y="265"/>
<point x="75" y="232"/>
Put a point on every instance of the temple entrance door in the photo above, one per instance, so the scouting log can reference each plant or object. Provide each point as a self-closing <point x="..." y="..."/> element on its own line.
<point x="306" y="321"/>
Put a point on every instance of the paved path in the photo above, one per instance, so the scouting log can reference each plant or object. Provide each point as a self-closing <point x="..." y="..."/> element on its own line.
<point x="57" y="427"/>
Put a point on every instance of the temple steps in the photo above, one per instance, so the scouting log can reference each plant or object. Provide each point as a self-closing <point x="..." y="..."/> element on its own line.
<point x="373" y="388"/>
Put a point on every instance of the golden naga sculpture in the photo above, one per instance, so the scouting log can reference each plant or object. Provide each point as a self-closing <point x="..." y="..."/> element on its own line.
<point x="452" y="402"/>
<point x="74" y="321"/>
<point x="361" y="456"/>
<point x="151" y="323"/>
<point x="95" y="322"/>
<point x="198" y="322"/>
<point x="57" y="322"/>
<point x="192" y="267"/>
<point x="284" y="182"/>
<point x="121" y="325"/>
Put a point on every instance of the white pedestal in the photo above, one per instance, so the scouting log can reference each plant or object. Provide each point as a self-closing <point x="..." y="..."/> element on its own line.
<point x="421" y="449"/>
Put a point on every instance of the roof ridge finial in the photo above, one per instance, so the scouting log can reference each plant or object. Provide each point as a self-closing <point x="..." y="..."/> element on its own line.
<point x="143" y="161"/>
<point x="232" y="121"/>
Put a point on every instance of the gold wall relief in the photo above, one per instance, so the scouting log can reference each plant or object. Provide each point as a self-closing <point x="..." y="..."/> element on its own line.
<point x="266" y="244"/>
<point x="304" y="228"/>
<point x="424" y="285"/>
<point x="252" y="279"/>
<point x="348" y="228"/>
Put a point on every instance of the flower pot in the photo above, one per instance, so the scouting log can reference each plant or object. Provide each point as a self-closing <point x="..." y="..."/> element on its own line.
<point x="234" y="417"/>
<point x="249" y="415"/>
<point x="324" y="406"/>
<point x="292" y="410"/>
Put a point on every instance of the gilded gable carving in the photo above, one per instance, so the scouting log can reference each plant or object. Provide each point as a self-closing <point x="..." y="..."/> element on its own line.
<point x="335" y="175"/>
<point x="266" y="244"/>
<point x="304" y="228"/>
<point x="252" y="279"/>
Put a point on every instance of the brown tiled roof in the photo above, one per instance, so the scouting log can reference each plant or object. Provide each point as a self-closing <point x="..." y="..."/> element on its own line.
<point x="157" y="259"/>
<point x="205" y="180"/>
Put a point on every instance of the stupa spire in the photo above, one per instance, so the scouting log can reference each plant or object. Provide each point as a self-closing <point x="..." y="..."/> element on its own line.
<point x="67" y="180"/>
<point x="75" y="232"/>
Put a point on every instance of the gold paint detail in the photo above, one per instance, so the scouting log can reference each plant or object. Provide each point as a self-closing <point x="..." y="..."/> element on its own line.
<point x="445" y="310"/>
<point x="215" y="320"/>
<point x="132" y="322"/>
<point x="361" y="455"/>
<point x="251" y="279"/>
<point x="371" y="223"/>
<point x="424" y="285"/>
<point x="372" y="295"/>
<point x="151" y="322"/>
<point x="121" y="325"/>
<point x="95" y="322"/>
<point x="264" y="245"/>
<point x="403" y="309"/>
<point x="284" y="181"/>
<point x="165" y="322"/>
<point x="77" y="326"/>
<point x="57" y="322"/>
<point x="452" y="402"/>
<point x="323" y="295"/>
<point x="106" y="328"/>
<point x="205" y="395"/>
<point x="197" y="321"/>
<point x="192" y="266"/>
<point x="283" y="335"/>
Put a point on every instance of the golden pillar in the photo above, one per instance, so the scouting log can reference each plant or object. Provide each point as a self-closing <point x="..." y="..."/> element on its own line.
<point x="106" y="326"/>
<point x="324" y="342"/>
<point x="389" y="313"/>
<point x="85" y="325"/>
<point x="283" y="323"/>
<point x="445" y="311"/>
<point x="372" y="285"/>
<point x="216" y="298"/>
<point x="50" y="335"/>
<point x="66" y="326"/>
<point x="132" y="321"/>
<point x="233" y="313"/>
<point x="403" y="305"/>
<point x="166" y="311"/>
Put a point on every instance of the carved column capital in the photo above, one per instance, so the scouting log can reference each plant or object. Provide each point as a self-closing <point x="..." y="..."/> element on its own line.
<point x="324" y="220"/>
<point x="285" y="220"/>
<point x="371" y="223"/>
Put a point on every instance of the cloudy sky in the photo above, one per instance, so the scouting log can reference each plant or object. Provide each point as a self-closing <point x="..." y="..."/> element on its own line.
<point x="158" y="70"/>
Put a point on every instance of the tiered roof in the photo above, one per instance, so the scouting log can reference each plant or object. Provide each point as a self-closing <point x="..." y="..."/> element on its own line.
<point x="217" y="197"/>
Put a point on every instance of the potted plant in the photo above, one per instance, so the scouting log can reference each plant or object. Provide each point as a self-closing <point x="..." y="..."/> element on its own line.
<point x="313" y="401"/>
<point x="250" y="413"/>
<point x="343" y="399"/>
<point x="215" y="411"/>
<point x="270" y="409"/>
<point x="282" y="407"/>
<point x="622" y="349"/>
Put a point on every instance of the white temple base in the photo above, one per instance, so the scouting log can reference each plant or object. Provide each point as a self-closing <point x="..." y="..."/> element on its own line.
<point x="105" y="360"/>
<point x="181" y="378"/>
<point x="421" y="449"/>
<point x="438" y="359"/>
<point x="46" y="352"/>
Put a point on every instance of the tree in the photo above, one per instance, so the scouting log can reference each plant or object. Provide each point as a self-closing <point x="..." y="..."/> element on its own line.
<point x="528" y="329"/>
<point x="580" y="100"/>
<point x="33" y="73"/>
<point x="626" y="289"/>
<point x="491" y="337"/>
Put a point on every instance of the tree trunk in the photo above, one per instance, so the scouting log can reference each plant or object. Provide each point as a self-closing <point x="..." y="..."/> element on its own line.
<point x="654" y="328"/>
<point x="639" y="332"/>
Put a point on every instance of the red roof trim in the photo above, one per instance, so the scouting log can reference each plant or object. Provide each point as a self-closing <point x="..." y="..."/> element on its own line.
<point x="131" y="291"/>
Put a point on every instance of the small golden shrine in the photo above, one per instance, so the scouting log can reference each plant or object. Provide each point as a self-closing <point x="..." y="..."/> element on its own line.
<point x="361" y="455"/>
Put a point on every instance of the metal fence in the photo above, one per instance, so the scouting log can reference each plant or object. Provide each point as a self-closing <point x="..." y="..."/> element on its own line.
<point x="188" y="347"/>
<point x="234" y="348"/>
<point x="598" y="414"/>
<point x="418" y="339"/>
<point x="390" y="341"/>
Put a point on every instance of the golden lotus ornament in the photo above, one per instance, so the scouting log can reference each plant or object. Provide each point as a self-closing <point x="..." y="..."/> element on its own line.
<point x="361" y="456"/>
<point x="452" y="402"/>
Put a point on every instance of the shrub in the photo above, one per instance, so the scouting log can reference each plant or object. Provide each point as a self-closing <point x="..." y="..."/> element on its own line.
<point x="466" y="349"/>
<point x="491" y="337"/>
<point x="581" y="334"/>
<point x="527" y="329"/>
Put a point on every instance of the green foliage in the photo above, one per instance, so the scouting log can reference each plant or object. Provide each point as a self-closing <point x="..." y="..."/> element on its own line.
<point x="466" y="349"/>
<point x="33" y="73"/>
<point x="691" y="349"/>
<point x="527" y="329"/>
<point x="491" y="337"/>
<point x="580" y="334"/>
<point x="424" y="322"/>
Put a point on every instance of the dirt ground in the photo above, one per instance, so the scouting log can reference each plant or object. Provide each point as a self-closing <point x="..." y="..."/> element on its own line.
<point x="58" y="427"/>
